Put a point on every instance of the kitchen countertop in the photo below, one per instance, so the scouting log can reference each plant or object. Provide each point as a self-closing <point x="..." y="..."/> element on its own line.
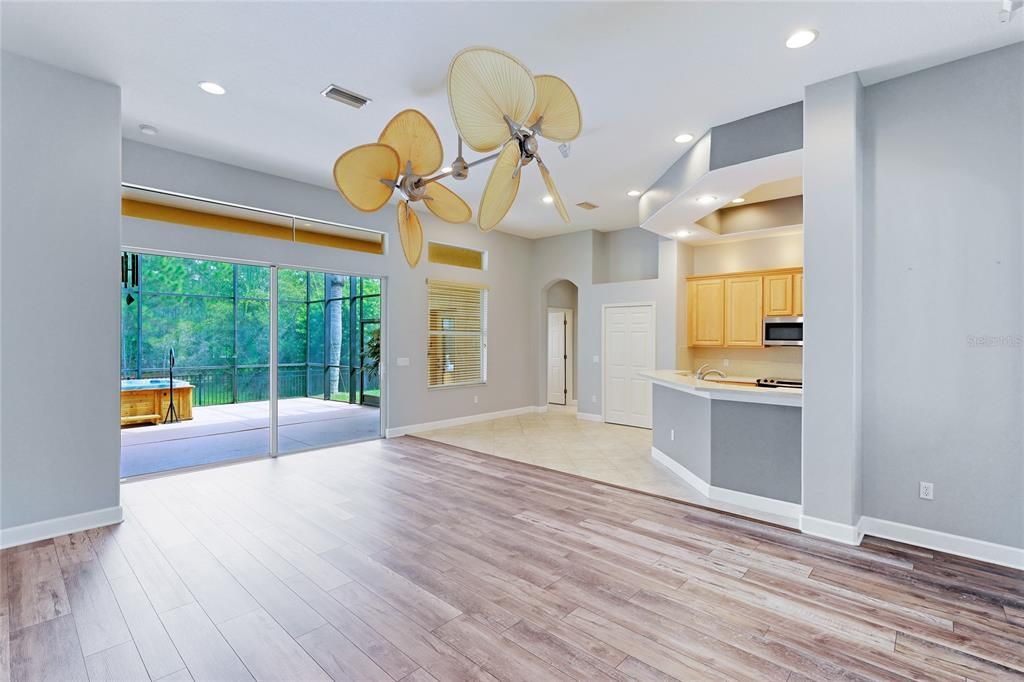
<point x="743" y="389"/>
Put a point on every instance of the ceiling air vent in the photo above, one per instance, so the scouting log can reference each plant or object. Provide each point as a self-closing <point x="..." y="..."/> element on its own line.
<point x="587" y="206"/>
<point x="344" y="96"/>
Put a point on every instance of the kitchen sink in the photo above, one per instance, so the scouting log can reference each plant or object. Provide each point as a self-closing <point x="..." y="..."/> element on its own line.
<point x="727" y="382"/>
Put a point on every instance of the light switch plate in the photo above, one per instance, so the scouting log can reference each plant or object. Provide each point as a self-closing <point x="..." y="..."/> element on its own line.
<point x="402" y="362"/>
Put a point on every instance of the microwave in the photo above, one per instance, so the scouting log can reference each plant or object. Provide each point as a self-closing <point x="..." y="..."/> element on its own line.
<point x="784" y="331"/>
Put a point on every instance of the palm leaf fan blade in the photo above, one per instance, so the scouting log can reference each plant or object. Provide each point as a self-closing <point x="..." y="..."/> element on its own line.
<point x="553" y="191"/>
<point x="502" y="187"/>
<point x="446" y="204"/>
<point x="359" y="171"/>
<point x="410" y="232"/>
<point x="557" y="110"/>
<point x="414" y="138"/>
<point x="484" y="86"/>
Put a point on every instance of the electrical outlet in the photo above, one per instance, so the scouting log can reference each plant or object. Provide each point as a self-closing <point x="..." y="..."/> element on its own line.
<point x="927" y="491"/>
<point x="597" y="360"/>
<point x="402" y="362"/>
<point x="725" y="362"/>
<point x="476" y="399"/>
<point x="593" y="398"/>
<point x="671" y="434"/>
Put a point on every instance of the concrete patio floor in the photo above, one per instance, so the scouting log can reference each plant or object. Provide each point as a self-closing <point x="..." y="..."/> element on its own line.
<point x="225" y="432"/>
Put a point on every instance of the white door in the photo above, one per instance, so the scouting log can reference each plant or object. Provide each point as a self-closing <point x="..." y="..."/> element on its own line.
<point x="628" y="349"/>
<point x="558" y="359"/>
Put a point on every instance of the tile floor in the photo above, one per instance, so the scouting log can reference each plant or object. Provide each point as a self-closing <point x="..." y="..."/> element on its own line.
<point x="609" y="453"/>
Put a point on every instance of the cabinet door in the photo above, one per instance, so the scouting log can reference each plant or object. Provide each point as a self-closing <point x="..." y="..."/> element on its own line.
<point x="705" y="310"/>
<point x="744" y="304"/>
<point x="798" y="293"/>
<point x="778" y="295"/>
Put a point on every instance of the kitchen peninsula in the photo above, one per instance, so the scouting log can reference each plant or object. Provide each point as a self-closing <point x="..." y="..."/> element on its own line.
<point x="730" y="439"/>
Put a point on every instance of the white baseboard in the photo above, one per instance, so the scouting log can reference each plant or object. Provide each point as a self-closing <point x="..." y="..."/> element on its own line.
<point x="831" y="530"/>
<point x="459" y="421"/>
<point x="692" y="479"/>
<point x="51" y="528"/>
<point x="982" y="550"/>
<point x="589" y="417"/>
<point x="768" y="505"/>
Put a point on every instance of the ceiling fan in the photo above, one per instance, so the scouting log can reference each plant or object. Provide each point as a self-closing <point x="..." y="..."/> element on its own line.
<point x="495" y="102"/>
<point x="407" y="151"/>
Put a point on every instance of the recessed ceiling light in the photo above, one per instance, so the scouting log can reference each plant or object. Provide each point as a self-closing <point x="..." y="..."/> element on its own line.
<point x="683" y="233"/>
<point x="738" y="200"/>
<point x="707" y="199"/>
<point x="446" y="169"/>
<point x="547" y="199"/>
<point x="211" y="88"/>
<point x="684" y="138"/>
<point x="147" y="129"/>
<point x="634" y="193"/>
<point x="801" y="38"/>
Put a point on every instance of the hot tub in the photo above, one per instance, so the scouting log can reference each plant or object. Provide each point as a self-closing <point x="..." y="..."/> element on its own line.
<point x="145" y="401"/>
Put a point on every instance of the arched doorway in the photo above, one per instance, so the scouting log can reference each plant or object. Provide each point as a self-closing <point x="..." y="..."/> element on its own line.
<point x="562" y="299"/>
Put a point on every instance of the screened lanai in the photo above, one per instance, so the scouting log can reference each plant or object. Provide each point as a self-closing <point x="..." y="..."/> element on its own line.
<point x="215" y="318"/>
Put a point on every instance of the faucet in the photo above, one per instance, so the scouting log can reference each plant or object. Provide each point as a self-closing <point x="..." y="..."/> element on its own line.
<point x="701" y="373"/>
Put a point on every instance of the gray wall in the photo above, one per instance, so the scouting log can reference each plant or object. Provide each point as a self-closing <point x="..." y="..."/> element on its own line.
<point x="832" y="301"/>
<point x="562" y="294"/>
<point x="687" y="169"/>
<point x="510" y="381"/>
<point x="943" y="220"/>
<point x="59" y="280"/>
<point x="756" y="449"/>
<point x="768" y="133"/>
<point x="625" y="255"/>
<point x="571" y="257"/>
<point x="690" y="417"/>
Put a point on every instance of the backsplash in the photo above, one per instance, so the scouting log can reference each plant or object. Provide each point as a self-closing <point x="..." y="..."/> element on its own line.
<point x="786" y="362"/>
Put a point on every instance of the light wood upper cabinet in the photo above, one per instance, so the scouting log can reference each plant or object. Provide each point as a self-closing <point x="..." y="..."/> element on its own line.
<point x="778" y="295"/>
<point x="798" y="293"/>
<point x="729" y="310"/>
<point x="705" y="305"/>
<point x="744" y="306"/>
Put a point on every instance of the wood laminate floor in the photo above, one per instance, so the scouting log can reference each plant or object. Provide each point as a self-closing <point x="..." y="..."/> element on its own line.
<point x="413" y="560"/>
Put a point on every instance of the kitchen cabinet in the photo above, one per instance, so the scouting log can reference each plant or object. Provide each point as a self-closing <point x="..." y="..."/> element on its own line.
<point x="728" y="310"/>
<point x="778" y="295"/>
<point x="798" y="293"/>
<point x="705" y="302"/>
<point x="744" y="314"/>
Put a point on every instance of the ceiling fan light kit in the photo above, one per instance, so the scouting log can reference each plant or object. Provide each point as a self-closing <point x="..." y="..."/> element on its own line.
<point x="496" y="104"/>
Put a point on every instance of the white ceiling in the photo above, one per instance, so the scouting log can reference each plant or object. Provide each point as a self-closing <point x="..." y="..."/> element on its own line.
<point x="643" y="73"/>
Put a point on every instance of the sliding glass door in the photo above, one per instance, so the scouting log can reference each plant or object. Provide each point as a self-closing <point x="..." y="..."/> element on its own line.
<point x="203" y="325"/>
<point x="206" y="326"/>
<point x="328" y="348"/>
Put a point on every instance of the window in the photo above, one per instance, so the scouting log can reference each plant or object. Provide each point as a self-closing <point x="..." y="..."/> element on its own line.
<point x="457" y="334"/>
<point x="449" y="254"/>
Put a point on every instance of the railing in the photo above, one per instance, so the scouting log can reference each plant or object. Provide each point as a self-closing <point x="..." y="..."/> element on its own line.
<point x="224" y="384"/>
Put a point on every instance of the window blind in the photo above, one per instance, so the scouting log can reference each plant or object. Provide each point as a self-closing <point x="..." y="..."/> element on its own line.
<point x="457" y="334"/>
<point x="256" y="223"/>
<point x="448" y="254"/>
